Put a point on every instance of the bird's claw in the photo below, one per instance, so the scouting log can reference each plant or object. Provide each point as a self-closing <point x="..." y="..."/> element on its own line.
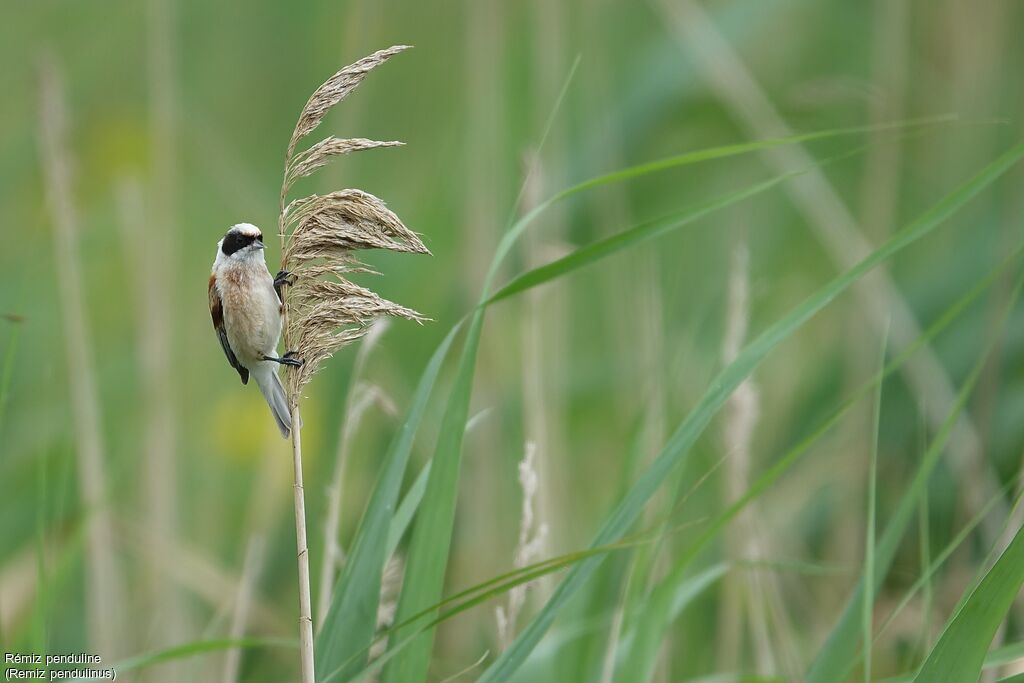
<point x="283" y="278"/>
<point x="287" y="359"/>
<point x="290" y="359"/>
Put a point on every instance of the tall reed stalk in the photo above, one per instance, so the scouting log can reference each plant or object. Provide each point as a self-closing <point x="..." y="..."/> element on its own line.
<point x="323" y="309"/>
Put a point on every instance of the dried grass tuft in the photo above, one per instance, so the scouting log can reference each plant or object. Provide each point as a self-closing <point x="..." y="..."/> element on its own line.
<point x="342" y="221"/>
<point x="325" y="310"/>
<point x="306" y="162"/>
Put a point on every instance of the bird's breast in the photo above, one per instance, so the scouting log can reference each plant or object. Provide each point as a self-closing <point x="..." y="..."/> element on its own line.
<point x="252" y="316"/>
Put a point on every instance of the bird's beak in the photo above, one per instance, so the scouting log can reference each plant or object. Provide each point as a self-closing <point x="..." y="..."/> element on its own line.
<point x="259" y="245"/>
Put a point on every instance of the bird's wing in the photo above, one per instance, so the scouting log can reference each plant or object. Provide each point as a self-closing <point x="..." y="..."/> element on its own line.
<point x="217" y="313"/>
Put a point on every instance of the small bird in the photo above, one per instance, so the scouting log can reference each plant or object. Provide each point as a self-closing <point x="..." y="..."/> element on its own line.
<point x="247" y="307"/>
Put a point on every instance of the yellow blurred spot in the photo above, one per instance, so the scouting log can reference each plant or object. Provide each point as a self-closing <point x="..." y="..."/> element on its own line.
<point x="242" y="429"/>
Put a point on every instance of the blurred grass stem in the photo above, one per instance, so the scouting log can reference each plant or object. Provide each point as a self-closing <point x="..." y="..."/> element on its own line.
<point x="254" y="559"/>
<point x="159" y="223"/>
<point x="103" y="596"/>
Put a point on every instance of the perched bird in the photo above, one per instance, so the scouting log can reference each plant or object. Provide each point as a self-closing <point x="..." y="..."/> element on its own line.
<point x="247" y="307"/>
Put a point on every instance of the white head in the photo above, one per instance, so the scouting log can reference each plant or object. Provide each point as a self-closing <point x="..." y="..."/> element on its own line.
<point x="243" y="242"/>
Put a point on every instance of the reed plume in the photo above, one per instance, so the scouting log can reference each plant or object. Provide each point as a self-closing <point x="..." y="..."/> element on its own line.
<point x="532" y="535"/>
<point x="324" y="310"/>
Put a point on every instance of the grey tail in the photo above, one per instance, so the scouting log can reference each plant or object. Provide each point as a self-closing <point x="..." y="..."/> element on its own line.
<point x="270" y="386"/>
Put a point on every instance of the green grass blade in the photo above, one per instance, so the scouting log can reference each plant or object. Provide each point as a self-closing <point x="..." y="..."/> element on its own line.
<point x="840" y="648"/>
<point x="432" y="530"/>
<point x="1004" y="655"/>
<point x="960" y="653"/>
<point x="682" y="595"/>
<point x="349" y="626"/>
<point x="745" y="148"/>
<point x="406" y="509"/>
<point x="626" y="513"/>
<point x="685" y="159"/>
<point x="999" y="657"/>
<point x="559" y="638"/>
<point x="531" y="572"/>
<point x="591" y="253"/>
<point x="869" y="537"/>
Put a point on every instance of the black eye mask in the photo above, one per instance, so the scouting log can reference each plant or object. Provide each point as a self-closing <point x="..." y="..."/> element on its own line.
<point x="234" y="241"/>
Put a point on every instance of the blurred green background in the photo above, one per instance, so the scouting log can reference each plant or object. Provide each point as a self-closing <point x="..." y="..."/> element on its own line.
<point x="178" y="116"/>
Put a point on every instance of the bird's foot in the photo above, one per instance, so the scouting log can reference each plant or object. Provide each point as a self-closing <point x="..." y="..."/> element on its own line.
<point x="287" y="359"/>
<point x="283" y="278"/>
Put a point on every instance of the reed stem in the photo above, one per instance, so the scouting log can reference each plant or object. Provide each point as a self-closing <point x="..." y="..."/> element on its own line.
<point x="305" y="605"/>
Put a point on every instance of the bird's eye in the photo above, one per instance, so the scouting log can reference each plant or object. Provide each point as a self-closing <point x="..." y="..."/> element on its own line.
<point x="259" y="237"/>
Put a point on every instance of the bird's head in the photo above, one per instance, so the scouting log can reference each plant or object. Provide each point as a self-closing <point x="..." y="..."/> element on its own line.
<point x="243" y="241"/>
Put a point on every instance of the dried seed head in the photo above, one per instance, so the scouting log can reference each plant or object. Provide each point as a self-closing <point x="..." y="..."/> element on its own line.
<point x="325" y="310"/>
<point x="336" y="88"/>
<point x="304" y="163"/>
<point x="346" y="220"/>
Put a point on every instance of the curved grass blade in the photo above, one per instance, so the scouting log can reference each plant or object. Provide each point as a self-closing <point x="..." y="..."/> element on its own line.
<point x="746" y="148"/>
<point x="560" y="637"/>
<point x="411" y="500"/>
<point x="626" y="513"/>
<point x="478" y="594"/>
<point x="406" y="509"/>
<point x="685" y="159"/>
<point x="349" y="626"/>
<point x="591" y="253"/>
<point x="526" y="574"/>
<point x="960" y="653"/>
<point x="649" y="230"/>
<point x="682" y="595"/>
<point x="998" y="657"/>
<point x="840" y="648"/>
